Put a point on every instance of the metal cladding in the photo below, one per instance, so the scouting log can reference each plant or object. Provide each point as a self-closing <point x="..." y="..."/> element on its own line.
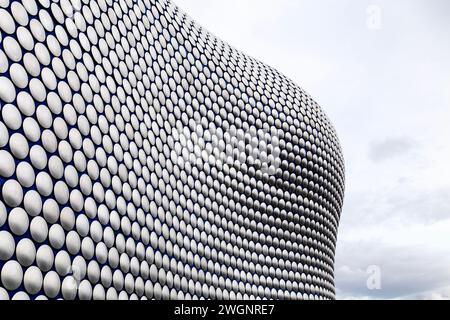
<point x="141" y="157"/>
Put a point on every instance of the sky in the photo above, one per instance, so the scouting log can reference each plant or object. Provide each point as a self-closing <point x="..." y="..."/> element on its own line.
<point x="381" y="71"/>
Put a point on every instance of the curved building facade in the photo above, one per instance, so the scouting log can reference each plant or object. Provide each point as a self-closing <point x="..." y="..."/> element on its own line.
<point x="141" y="157"/>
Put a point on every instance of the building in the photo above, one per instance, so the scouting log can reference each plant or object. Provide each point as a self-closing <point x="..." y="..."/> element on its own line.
<point x="142" y="157"/>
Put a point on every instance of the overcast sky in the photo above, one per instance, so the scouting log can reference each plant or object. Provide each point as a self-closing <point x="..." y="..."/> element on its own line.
<point x="381" y="71"/>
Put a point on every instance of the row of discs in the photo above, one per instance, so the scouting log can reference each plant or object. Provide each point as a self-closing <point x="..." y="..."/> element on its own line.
<point x="132" y="165"/>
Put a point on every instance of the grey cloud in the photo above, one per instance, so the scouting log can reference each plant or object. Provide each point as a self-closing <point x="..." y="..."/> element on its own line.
<point x="407" y="204"/>
<point x="436" y="294"/>
<point x="367" y="81"/>
<point x="390" y="148"/>
<point x="405" y="271"/>
<point x="421" y="207"/>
